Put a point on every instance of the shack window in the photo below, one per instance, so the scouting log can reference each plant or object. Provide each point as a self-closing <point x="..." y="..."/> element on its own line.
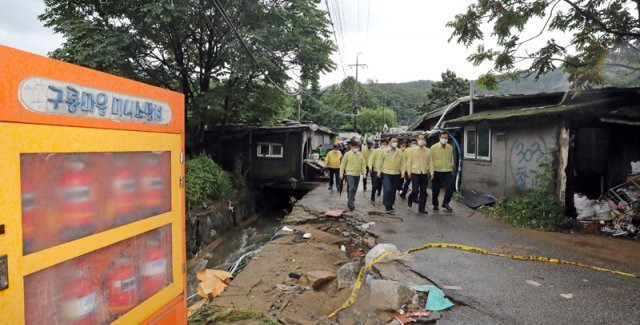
<point x="477" y="143"/>
<point x="270" y="150"/>
<point x="470" y="143"/>
<point x="484" y="144"/>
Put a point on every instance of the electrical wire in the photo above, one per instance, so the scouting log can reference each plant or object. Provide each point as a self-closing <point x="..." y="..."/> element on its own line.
<point x="249" y="52"/>
<point x="335" y="36"/>
<point x="366" y="44"/>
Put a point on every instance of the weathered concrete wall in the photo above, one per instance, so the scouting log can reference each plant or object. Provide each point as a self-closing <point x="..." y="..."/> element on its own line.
<point x="516" y="152"/>
<point x="204" y="225"/>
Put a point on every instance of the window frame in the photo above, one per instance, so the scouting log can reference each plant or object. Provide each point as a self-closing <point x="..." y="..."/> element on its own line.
<point x="488" y="157"/>
<point x="270" y="154"/>
<point x="475" y="155"/>
<point x="472" y="155"/>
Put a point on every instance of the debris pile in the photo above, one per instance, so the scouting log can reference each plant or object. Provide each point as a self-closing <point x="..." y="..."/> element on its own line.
<point x="616" y="213"/>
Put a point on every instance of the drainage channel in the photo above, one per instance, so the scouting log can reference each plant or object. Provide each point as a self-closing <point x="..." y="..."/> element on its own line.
<point x="241" y="241"/>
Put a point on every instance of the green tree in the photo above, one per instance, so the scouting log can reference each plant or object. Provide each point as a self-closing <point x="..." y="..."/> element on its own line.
<point x="605" y="35"/>
<point x="186" y="46"/>
<point x="443" y="92"/>
<point x="372" y="120"/>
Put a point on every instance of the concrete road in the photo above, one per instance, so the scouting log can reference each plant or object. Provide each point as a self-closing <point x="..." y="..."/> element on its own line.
<point x="499" y="290"/>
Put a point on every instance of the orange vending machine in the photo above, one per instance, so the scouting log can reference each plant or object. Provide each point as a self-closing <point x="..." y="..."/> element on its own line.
<point x="92" y="200"/>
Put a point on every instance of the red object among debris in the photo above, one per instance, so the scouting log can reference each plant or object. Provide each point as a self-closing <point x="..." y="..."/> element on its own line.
<point x="411" y="317"/>
<point x="334" y="213"/>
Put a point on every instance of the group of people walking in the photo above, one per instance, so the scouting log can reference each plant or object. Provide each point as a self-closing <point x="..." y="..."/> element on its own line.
<point x="393" y="167"/>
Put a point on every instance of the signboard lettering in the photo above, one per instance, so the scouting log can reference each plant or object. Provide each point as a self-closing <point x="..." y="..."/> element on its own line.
<point x="47" y="96"/>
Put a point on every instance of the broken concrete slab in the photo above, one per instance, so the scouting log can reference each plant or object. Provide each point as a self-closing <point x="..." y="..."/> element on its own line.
<point x="397" y="271"/>
<point x="315" y="279"/>
<point x="347" y="274"/>
<point x="388" y="294"/>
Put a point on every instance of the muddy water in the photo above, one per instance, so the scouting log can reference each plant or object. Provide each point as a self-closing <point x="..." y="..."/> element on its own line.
<point x="240" y="241"/>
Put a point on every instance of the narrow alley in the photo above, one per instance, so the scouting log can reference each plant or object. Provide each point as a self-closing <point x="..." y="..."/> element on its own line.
<point x="485" y="289"/>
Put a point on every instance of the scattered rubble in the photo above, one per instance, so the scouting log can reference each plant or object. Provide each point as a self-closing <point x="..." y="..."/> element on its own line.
<point x="347" y="274"/>
<point x="316" y="279"/>
<point x="389" y="294"/>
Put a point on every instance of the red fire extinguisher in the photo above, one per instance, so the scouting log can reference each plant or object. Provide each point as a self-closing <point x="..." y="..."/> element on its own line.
<point x="124" y="189"/>
<point x="153" y="269"/>
<point x="79" y="299"/>
<point x="28" y="217"/>
<point x="77" y="206"/>
<point x="152" y="186"/>
<point x="122" y="286"/>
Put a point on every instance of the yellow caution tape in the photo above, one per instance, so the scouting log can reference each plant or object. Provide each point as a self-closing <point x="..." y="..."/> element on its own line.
<point x="358" y="285"/>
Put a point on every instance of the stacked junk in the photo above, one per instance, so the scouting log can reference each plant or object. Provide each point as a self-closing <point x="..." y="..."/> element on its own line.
<point x="616" y="212"/>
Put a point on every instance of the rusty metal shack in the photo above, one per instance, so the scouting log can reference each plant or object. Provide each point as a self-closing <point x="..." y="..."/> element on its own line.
<point x="593" y="136"/>
<point x="274" y="156"/>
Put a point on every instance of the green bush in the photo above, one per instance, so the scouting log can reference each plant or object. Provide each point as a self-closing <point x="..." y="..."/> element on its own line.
<point x="237" y="177"/>
<point x="538" y="208"/>
<point x="206" y="181"/>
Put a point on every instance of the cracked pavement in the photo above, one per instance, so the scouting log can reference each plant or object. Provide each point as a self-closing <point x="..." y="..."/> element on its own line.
<point x="494" y="290"/>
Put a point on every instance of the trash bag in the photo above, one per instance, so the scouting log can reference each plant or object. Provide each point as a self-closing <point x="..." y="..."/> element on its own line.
<point x="379" y="250"/>
<point x="584" y="207"/>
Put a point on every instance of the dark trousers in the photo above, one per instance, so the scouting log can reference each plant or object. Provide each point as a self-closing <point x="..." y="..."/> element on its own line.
<point x="334" y="174"/>
<point x="419" y="184"/>
<point x="376" y="185"/>
<point x="405" y="185"/>
<point x="390" y="185"/>
<point x="440" y="180"/>
<point x="352" y="187"/>
<point x="364" y="181"/>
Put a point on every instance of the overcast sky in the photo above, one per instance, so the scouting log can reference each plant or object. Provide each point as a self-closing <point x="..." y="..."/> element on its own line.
<point x="400" y="40"/>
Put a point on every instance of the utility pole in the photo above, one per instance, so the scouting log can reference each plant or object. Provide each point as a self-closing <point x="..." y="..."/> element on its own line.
<point x="299" y="99"/>
<point x="356" y="107"/>
<point x="471" y="94"/>
<point x="384" y="99"/>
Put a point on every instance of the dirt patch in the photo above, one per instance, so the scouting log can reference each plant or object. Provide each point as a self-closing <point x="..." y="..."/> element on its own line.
<point x="616" y="250"/>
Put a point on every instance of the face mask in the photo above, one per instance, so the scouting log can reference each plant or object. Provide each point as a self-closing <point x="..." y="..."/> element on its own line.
<point x="335" y="150"/>
<point x="413" y="145"/>
<point x="394" y="144"/>
<point x="355" y="149"/>
<point x="384" y="146"/>
<point x="444" y="141"/>
<point x="422" y="142"/>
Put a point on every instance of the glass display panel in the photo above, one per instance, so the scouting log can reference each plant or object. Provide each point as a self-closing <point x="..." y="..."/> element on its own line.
<point x="68" y="196"/>
<point x="99" y="287"/>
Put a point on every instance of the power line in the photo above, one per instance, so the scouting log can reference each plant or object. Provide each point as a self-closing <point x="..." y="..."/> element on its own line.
<point x="326" y="2"/>
<point x="366" y="44"/>
<point x="244" y="45"/>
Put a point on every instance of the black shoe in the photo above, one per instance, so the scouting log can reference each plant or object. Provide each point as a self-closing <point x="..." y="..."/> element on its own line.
<point x="447" y="207"/>
<point x="435" y="208"/>
<point x="410" y="202"/>
<point x="403" y="196"/>
<point x="423" y="211"/>
<point x="390" y="211"/>
<point x="416" y="200"/>
<point x="379" y="193"/>
<point x="351" y="208"/>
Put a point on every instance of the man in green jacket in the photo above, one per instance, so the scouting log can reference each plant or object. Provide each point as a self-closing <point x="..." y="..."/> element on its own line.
<point x="442" y="171"/>
<point x="376" y="183"/>
<point x="391" y="170"/>
<point x="353" y="165"/>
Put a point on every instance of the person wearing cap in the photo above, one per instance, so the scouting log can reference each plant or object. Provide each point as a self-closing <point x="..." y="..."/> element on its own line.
<point x="391" y="171"/>
<point x="418" y="171"/>
<point x="407" y="181"/>
<point x="332" y="163"/>
<point x="366" y="153"/>
<point x="376" y="183"/>
<point x="353" y="166"/>
<point x="442" y="171"/>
